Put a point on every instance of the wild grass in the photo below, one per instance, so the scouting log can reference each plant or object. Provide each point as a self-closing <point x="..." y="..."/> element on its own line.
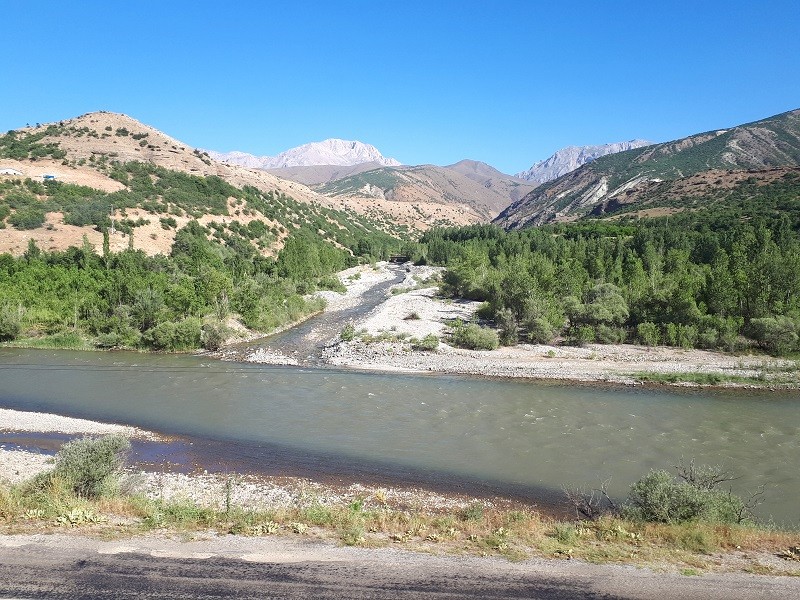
<point x="475" y="530"/>
<point x="764" y="378"/>
<point x="68" y="340"/>
<point x="53" y="502"/>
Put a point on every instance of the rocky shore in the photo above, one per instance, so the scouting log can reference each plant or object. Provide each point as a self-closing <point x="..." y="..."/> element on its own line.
<point x="213" y="490"/>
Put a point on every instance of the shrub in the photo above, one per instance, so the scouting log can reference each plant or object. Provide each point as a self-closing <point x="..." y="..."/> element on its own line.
<point x="686" y="336"/>
<point x="306" y="287"/>
<point x="609" y="335"/>
<point x="91" y="466"/>
<point x="27" y="218"/>
<point x="658" y="497"/>
<point x="648" y="333"/>
<point x="429" y="343"/>
<point x="540" y="331"/>
<point x="109" y="340"/>
<point x="474" y="337"/>
<point x="473" y="512"/>
<point x="348" y="333"/>
<point x="565" y="533"/>
<point x="214" y="335"/>
<point x="168" y="223"/>
<point x="10" y="322"/>
<point x="581" y="335"/>
<point x="184" y="335"/>
<point x="509" y="331"/>
<point x="776" y="335"/>
<point x="707" y="339"/>
<point x="331" y="282"/>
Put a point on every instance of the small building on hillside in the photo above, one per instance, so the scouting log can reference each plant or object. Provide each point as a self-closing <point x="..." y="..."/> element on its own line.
<point x="10" y="172"/>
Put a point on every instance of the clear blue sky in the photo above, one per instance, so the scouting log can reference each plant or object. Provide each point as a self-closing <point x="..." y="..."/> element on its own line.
<point x="507" y="82"/>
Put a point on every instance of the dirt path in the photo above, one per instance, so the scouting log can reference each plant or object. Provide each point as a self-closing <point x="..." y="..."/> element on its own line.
<point x="65" y="566"/>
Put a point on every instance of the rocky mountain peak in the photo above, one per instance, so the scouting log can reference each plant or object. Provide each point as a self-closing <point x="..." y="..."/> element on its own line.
<point x="332" y="151"/>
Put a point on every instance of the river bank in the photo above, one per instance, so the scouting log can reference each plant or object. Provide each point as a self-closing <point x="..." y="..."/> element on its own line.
<point x="385" y="338"/>
<point x="184" y="509"/>
<point x="247" y="490"/>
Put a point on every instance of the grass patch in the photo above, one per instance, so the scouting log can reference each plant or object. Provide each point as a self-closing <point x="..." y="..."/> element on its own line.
<point x="695" y="378"/>
<point x="53" y="501"/>
<point x="474" y="530"/>
<point x="67" y="340"/>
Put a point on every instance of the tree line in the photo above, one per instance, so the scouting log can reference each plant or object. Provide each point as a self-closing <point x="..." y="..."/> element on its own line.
<point x="725" y="283"/>
<point x="175" y="302"/>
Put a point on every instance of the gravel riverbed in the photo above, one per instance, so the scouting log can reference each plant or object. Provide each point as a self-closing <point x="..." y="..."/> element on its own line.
<point x="383" y="343"/>
<point x="213" y="490"/>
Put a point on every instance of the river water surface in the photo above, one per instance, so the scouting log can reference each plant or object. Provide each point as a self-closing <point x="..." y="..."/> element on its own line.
<point x="503" y="435"/>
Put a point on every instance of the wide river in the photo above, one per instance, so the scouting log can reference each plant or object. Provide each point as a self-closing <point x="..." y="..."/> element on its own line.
<point x="507" y="436"/>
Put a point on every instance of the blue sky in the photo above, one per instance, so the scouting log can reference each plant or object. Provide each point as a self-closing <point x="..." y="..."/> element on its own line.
<point x="507" y="83"/>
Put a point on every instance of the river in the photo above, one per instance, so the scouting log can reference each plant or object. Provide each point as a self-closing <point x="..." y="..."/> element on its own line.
<point x="513" y="437"/>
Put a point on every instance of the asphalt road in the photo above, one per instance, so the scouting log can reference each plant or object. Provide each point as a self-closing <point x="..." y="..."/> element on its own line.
<point x="62" y="566"/>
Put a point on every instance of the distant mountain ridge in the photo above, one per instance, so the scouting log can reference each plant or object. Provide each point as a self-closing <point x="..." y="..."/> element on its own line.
<point x="473" y="185"/>
<point x="570" y="158"/>
<point x="652" y="173"/>
<point x="332" y="151"/>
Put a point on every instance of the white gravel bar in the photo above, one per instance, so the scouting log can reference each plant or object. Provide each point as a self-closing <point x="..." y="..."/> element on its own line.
<point x="18" y="420"/>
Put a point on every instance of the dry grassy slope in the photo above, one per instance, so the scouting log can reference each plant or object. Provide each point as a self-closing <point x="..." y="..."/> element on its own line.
<point x="651" y="198"/>
<point x="89" y="137"/>
<point x="158" y="149"/>
<point x="162" y="150"/>
<point x="430" y="185"/>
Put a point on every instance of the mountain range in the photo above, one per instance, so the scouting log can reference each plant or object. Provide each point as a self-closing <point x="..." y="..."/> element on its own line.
<point x="93" y="152"/>
<point x="485" y="194"/>
<point x="358" y="171"/>
<point x="671" y="173"/>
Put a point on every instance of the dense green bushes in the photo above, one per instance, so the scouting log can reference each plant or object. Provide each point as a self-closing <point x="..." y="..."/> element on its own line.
<point x="27" y="218"/>
<point x="687" y="281"/>
<point x="183" y="335"/>
<point x="658" y="497"/>
<point x="131" y="300"/>
<point x="10" y="322"/>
